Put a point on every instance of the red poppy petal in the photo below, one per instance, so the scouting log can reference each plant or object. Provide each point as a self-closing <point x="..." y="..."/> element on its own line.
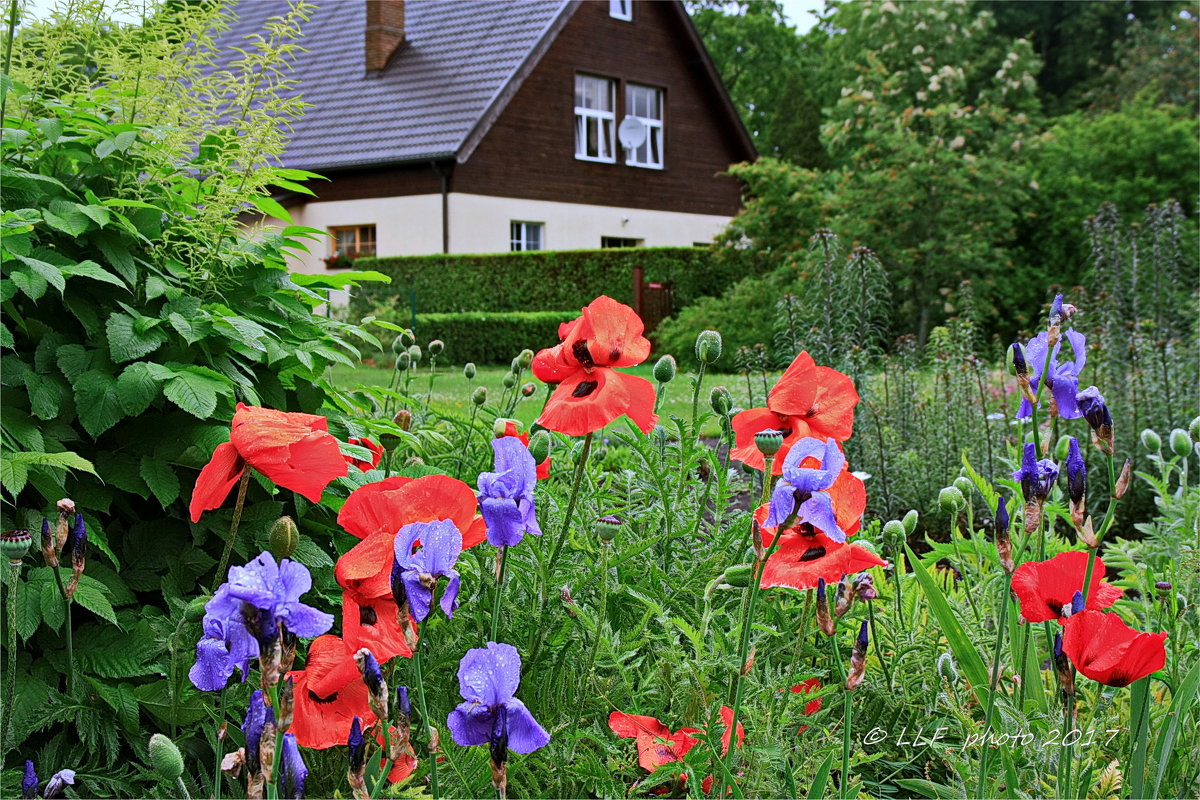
<point x="216" y="480"/>
<point x="628" y="726"/>
<point x="330" y="665"/>
<point x="585" y="402"/>
<point x="745" y="425"/>
<point x="849" y="497"/>
<point x="402" y="767"/>
<point x="821" y="396"/>
<point x="801" y="560"/>
<point x="293" y="450"/>
<point x="553" y="365"/>
<point x="613" y="332"/>
<point x="373" y="624"/>
<point x="727" y="718"/>
<point x="1105" y="649"/>
<point x="1045" y="588"/>
<point x="366" y="568"/>
<point x="323" y="722"/>
<point x="371" y="507"/>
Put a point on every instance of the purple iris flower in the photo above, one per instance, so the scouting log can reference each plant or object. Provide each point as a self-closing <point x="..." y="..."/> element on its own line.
<point x="245" y="614"/>
<point x="1002" y="520"/>
<point x="58" y="783"/>
<point x="295" y="772"/>
<point x="805" y="486"/>
<point x="1036" y="477"/>
<point x="357" y="746"/>
<point x="29" y="782"/>
<point x="258" y="714"/>
<point x="1061" y="378"/>
<point x="1076" y="472"/>
<point x="506" y="495"/>
<point x="487" y="680"/>
<point x="1092" y="406"/>
<point x="417" y="573"/>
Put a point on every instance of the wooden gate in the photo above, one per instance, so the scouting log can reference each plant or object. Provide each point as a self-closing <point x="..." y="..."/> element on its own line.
<point x="651" y="299"/>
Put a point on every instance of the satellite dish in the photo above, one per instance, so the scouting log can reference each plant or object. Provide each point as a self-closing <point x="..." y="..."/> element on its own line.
<point x="631" y="133"/>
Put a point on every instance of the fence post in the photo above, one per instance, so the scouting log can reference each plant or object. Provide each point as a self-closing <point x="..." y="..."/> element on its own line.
<point x="639" y="283"/>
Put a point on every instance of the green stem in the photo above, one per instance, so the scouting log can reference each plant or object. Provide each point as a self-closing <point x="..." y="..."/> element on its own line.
<point x="496" y="595"/>
<point x="10" y="689"/>
<point x="218" y="747"/>
<point x="841" y="668"/>
<point x="1108" y="517"/>
<point x="993" y="680"/>
<point x="696" y="400"/>
<point x="566" y="523"/>
<point x="8" y="45"/>
<point x="387" y="761"/>
<point x="69" y="633"/>
<point x="243" y="484"/>
<point x="433" y="776"/>
<point x="887" y="672"/>
<point x="765" y="497"/>
<point x="602" y="608"/>
<point x="467" y="440"/>
<point x="276" y="765"/>
<point x="183" y="792"/>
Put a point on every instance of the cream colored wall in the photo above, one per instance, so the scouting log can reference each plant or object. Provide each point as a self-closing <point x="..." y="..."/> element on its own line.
<point x="406" y="226"/>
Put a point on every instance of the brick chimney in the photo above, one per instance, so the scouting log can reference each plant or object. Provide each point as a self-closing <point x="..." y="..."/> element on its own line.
<point x="384" y="32"/>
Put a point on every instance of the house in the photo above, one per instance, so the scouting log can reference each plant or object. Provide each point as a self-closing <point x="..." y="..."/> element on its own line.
<point x="469" y="126"/>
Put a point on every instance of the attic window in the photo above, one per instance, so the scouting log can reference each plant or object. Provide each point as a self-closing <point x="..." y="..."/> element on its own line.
<point x="595" y="119"/>
<point x="621" y="9"/>
<point x="644" y="103"/>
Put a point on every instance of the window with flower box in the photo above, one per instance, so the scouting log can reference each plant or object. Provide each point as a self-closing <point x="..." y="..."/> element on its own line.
<point x="348" y="242"/>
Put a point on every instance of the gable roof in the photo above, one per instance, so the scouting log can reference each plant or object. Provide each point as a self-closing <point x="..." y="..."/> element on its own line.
<point x="462" y="61"/>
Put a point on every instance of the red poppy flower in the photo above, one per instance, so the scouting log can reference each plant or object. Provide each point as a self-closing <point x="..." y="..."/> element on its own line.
<point x="402" y="767"/>
<point x="372" y="624"/>
<point x="376" y="455"/>
<point x="657" y="745"/>
<point x="1108" y="651"/>
<point x="294" y="451"/>
<point x="1045" y="588"/>
<point x="590" y="393"/>
<point x="805" y="554"/>
<point x="329" y="693"/>
<point x="376" y="511"/>
<point x="812" y="706"/>
<point x="543" y="469"/>
<point x="806" y="401"/>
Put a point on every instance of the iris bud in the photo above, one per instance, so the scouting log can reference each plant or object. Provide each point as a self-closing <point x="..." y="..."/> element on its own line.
<point x="951" y="499"/>
<point x="769" y="442"/>
<point x="1016" y="360"/>
<point x="436" y="347"/>
<point x="739" y="575"/>
<point x="709" y="347"/>
<point x="195" y="608"/>
<point x="1123" y="479"/>
<point x="285" y="537"/>
<point x="1181" y="443"/>
<point x="469" y="370"/>
<point x="539" y="446"/>
<point x="525" y="358"/>
<point x="721" y="401"/>
<point x="910" y="521"/>
<point x="664" y="369"/>
<point x="1151" y="441"/>
<point x="964" y="485"/>
<point x="165" y="757"/>
<point x="479" y="396"/>
<point x="14" y="545"/>
<point x="357" y="746"/>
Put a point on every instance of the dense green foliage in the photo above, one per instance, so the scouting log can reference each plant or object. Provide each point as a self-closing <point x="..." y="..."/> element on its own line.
<point x="544" y="280"/>
<point x="490" y="337"/>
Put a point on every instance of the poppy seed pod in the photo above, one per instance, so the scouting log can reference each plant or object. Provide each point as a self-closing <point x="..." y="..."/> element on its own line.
<point x="14" y="545"/>
<point x="709" y="347"/>
<point x="951" y="499"/>
<point x="539" y="446"/>
<point x="436" y="347"/>
<point x="910" y="521"/>
<point x="1181" y="443"/>
<point x="1151" y="441"/>
<point x="165" y="757"/>
<point x="469" y="370"/>
<point x="285" y="537"/>
<point x="479" y="396"/>
<point x="525" y="358"/>
<point x="721" y="401"/>
<point x="607" y="527"/>
<point x="768" y="442"/>
<point x="664" y="369"/>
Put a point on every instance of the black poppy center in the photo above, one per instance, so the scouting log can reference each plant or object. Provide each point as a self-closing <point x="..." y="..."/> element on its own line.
<point x="313" y="696"/>
<point x="813" y="553"/>
<point x="582" y="354"/>
<point x="585" y="388"/>
<point x="367" y="615"/>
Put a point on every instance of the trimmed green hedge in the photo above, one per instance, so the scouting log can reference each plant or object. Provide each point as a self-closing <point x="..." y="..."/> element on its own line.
<point x="545" y="279"/>
<point x="487" y="337"/>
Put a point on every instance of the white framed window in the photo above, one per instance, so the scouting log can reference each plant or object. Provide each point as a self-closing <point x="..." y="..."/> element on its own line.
<point x="621" y="9"/>
<point x="525" y="235"/>
<point x="595" y="119"/>
<point x="644" y="103"/>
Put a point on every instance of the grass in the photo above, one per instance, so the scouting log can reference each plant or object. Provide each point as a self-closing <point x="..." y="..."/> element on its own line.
<point x="452" y="391"/>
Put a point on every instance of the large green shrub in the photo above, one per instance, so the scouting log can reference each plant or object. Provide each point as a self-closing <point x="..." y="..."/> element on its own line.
<point x="545" y="280"/>
<point x="490" y="337"/>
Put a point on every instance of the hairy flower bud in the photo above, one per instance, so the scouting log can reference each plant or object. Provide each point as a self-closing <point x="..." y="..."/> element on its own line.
<point x="1181" y="443"/>
<point x="1151" y="441"/>
<point x="479" y="396"/>
<point x="709" y="347"/>
<point x="946" y="669"/>
<point x="284" y="538"/>
<point x="739" y="575"/>
<point x="664" y="369"/>
<point x="469" y="370"/>
<point x="894" y="534"/>
<point x="399" y="345"/>
<point x="910" y="521"/>
<point x="539" y="446"/>
<point x="1061" y="446"/>
<point x="509" y="381"/>
<point x="195" y="608"/>
<point x="165" y="757"/>
<point x="951" y="500"/>
<point x="436" y="347"/>
<point x="528" y="389"/>
<point x="525" y="358"/>
<point x="721" y="401"/>
<point x="1194" y="429"/>
<point x="403" y="361"/>
<point x="964" y="485"/>
<point x="500" y="426"/>
<point x="414" y="353"/>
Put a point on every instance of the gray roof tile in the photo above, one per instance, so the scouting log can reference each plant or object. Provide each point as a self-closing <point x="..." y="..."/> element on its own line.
<point x="459" y="55"/>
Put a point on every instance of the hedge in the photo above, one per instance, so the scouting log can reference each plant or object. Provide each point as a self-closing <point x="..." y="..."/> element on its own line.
<point x="545" y="279"/>
<point x="489" y="337"/>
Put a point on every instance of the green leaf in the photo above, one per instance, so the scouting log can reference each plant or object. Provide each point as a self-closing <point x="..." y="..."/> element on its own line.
<point x="116" y="253"/>
<point x="924" y="788"/>
<point x="193" y="393"/>
<point x="337" y="280"/>
<point x="93" y="595"/>
<point x="73" y="360"/>
<point x="46" y="393"/>
<point x="52" y="129"/>
<point x="48" y="272"/>
<point x="29" y="609"/>
<point x="161" y="479"/>
<point x="31" y="283"/>
<point x="65" y="216"/>
<point x="90" y="269"/>
<point x="57" y="460"/>
<point x="136" y="388"/>
<point x="126" y="342"/>
<point x="13" y="475"/>
<point x="271" y="208"/>
<point x="53" y="612"/>
<point x="96" y="401"/>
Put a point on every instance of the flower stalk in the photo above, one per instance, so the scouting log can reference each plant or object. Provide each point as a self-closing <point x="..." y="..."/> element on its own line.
<point x="223" y="564"/>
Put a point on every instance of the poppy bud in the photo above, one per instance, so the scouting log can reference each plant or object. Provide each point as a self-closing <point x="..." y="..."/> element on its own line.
<point x="910" y="521"/>
<point x="894" y="533"/>
<point x="539" y="446"/>
<point x="399" y="345"/>
<point x="479" y="396"/>
<point x="664" y="369"/>
<point x="195" y="608"/>
<point x="945" y="667"/>
<point x="528" y="389"/>
<point x="407" y="337"/>
<point x="1181" y="443"/>
<point x="500" y="426"/>
<point x="285" y="537"/>
<point x="403" y="361"/>
<point x="739" y="575"/>
<point x="1151" y="441"/>
<point x="721" y="401"/>
<point x="607" y="528"/>
<point x="769" y="442"/>
<point x="404" y="419"/>
<point x="1194" y="429"/>
<point x="49" y="545"/>
<point x="509" y="381"/>
<point x="1123" y="479"/>
<point x="414" y="353"/>
<point x="1016" y="361"/>
<point x="1163" y="587"/>
<point x="469" y="370"/>
<point x="165" y="757"/>
<point x="964" y="485"/>
<point x="525" y="358"/>
<point x="14" y="545"/>
<point x="951" y="500"/>
<point x="708" y="347"/>
<point x="436" y="347"/>
<point x="1061" y="446"/>
<point x="824" y="618"/>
